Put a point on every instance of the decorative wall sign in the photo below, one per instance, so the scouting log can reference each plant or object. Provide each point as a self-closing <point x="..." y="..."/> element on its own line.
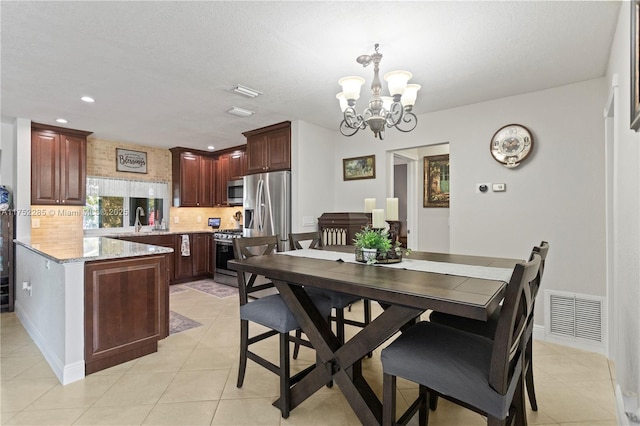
<point x="359" y="168"/>
<point x="635" y="65"/>
<point x="131" y="161"/>
<point x="436" y="181"/>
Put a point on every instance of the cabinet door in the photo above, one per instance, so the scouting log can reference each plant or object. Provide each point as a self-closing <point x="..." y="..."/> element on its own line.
<point x="200" y="253"/>
<point x="211" y="257"/>
<point x="183" y="264"/>
<point x="279" y="150"/>
<point x="222" y="177"/>
<point x="73" y="170"/>
<point x="237" y="165"/>
<point x="189" y="179"/>
<point x="207" y="182"/>
<point x="256" y="154"/>
<point x="45" y="168"/>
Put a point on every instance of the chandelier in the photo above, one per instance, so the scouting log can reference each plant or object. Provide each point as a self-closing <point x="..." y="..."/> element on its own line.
<point x="383" y="111"/>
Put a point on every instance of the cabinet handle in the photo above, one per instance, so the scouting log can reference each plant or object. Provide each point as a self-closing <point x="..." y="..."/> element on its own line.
<point x="57" y="201"/>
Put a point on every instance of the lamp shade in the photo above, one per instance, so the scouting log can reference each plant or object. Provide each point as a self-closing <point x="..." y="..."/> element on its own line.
<point x="386" y="102"/>
<point x="351" y="86"/>
<point x="343" y="101"/>
<point x="410" y="94"/>
<point x="397" y="81"/>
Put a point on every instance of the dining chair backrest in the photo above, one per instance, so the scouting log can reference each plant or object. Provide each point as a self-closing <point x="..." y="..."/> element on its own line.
<point x="515" y="315"/>
<point x="542" y="250"/>
<point x="314" y="238"/>
<point x="247" y="247"/>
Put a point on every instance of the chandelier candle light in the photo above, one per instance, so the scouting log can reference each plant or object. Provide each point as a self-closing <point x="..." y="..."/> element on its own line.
<point x="390" y="111"/>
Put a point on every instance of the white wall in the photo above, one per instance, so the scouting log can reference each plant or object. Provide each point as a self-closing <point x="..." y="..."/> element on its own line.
<point x="556" y="195"/>
<point x="434" y="228"/>
<point x="53" y="314"/>
<point x="312" y="170"/>
<point x="626" y="261"/>
<point x="7" y="157"/>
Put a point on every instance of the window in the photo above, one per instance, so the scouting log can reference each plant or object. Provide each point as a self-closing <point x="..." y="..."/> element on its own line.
<point x="115" y="204"/>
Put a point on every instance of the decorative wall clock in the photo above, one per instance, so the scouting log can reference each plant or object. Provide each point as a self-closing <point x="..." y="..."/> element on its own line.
<point x="511" y="144"/>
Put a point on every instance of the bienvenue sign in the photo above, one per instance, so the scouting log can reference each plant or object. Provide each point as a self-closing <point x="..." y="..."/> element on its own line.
<point x="131" y="161"/>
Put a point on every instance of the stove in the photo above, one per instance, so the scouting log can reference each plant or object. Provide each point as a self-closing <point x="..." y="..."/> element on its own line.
<point x="223" y="239"/>
<point x="227" y="235"/>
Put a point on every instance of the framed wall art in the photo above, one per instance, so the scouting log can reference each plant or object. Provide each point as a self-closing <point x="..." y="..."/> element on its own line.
<point x="359" y="168"/>
<point x="635" y="65"/>
<point x="131" y="161"/>
<point x="436" y="181"/>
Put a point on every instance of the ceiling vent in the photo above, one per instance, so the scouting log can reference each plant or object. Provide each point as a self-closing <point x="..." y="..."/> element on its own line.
<point x="575" y="317"/>
<point x="247" y="91"/>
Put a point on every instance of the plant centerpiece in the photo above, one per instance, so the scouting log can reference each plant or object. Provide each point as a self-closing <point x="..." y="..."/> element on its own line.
<point x="373" y="245"/>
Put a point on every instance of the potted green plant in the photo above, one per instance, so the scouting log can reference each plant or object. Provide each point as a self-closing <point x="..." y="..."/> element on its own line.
<point x="373" y="245"/>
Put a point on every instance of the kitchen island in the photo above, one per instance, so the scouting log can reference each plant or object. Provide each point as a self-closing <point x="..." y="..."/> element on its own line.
<point x="91" y="303"/>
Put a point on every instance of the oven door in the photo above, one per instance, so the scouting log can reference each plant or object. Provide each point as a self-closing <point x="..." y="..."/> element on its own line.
<point x="224" y="253"/>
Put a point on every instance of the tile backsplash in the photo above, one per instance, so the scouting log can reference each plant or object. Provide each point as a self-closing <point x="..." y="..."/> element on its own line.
<point x="188" y="218"/>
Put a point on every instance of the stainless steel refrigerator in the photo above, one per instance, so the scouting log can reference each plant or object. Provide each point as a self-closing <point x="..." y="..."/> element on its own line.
<point x="267" y="206"/>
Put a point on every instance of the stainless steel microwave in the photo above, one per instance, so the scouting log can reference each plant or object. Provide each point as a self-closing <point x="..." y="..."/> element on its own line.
<point x="235" y="192"/>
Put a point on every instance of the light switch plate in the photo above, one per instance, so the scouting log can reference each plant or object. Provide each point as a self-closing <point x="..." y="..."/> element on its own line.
<point x="499" y="187"/>
<point x="176" y="219"/>
<point x="35" y="223"/>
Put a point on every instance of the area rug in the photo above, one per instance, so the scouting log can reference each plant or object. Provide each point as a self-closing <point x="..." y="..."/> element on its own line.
<point x="178" y="323"/>
<point x="174" y="289"/>
<point x="213" y="288"/>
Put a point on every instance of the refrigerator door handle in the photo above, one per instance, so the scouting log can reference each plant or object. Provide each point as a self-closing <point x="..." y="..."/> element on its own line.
<point x="260" y="205"/>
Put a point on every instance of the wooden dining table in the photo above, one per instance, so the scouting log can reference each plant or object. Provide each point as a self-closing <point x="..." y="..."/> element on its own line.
<point x="404" y="294"/>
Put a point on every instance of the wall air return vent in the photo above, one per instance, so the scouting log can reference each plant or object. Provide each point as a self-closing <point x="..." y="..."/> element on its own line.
<point x="575" y="317"/>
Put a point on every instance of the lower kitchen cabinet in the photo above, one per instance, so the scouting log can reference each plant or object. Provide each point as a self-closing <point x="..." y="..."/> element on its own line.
<point x="198" y="263"/>
<point x="126" y="309"/>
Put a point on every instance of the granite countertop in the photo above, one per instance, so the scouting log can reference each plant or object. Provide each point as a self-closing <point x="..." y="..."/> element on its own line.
<point x="84" y="249"/>
<point x="159" y="232"/>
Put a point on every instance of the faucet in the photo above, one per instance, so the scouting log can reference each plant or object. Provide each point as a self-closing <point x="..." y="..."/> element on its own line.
<point x="138" y="225"/>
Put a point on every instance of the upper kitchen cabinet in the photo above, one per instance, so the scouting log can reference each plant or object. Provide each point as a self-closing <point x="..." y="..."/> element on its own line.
<point x="58" y="165"/>
<point x="222" y="177"/>
<point x="193" y="178"/>
<point x="269" y="148"/>
<point x="237" y="165"/>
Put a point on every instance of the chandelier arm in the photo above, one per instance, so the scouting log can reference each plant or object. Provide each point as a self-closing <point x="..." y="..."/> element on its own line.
<point x="352" y="119"/>
<point x="394" y="116"/>
<point x="408" y="123"/>
<point x="347" y="130"/>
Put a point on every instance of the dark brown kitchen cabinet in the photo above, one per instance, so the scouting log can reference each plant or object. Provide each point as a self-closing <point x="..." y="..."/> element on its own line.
<point x="126" y="304"/>
<point x="222" y="177"/>
<point x="237" y="165"/>
<point x="201" y="254"/>
<point x="58" y="165"/>
<point x="193" y="179"/>
<point x="269" y="148"/>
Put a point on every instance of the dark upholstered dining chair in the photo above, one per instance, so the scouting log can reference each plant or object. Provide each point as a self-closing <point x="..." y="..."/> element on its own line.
<point x="483" y="375"/>
<point x="488" y="328"/>
<point x="271" y="312"/>
<point x="339" y="301"/>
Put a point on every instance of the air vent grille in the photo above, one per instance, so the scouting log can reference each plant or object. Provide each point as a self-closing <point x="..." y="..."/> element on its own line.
<point x="575" y="316"/>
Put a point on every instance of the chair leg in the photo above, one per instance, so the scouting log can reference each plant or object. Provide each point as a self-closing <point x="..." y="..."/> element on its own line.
<point x="520" y="404"/>
<point x="531" y="390"/>
<point x="296" y="345"/>
<point x="285" y="376"/>
<point x="388" y="399"/>
<point x="433" y="401"/>
<point x="244" y="347"/>
<point x="423" y="413"/>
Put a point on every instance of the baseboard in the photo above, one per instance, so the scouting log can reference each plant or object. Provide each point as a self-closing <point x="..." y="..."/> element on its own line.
<point x="65" y="373"/>
<point x="540" y="333"/>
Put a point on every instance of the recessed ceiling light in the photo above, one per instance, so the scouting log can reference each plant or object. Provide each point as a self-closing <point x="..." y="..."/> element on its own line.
<point x="240" y="112"/>
<point x="61" y="120"/>
<point x="247" y="91"/>
<point x="88" y="99"/>
<point x="211" y="147"/>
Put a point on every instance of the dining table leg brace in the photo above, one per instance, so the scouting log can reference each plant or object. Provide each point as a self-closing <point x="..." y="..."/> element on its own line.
<point x="342" y="363"/>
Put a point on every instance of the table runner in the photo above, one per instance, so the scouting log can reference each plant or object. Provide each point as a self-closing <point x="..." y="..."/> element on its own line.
<point x="458" y="269"/>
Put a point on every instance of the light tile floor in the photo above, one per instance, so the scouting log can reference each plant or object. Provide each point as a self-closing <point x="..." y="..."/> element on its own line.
<point x="191" y="381"/>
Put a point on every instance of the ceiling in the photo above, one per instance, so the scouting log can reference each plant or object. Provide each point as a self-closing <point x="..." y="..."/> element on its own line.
<point x="162" y="72"/>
